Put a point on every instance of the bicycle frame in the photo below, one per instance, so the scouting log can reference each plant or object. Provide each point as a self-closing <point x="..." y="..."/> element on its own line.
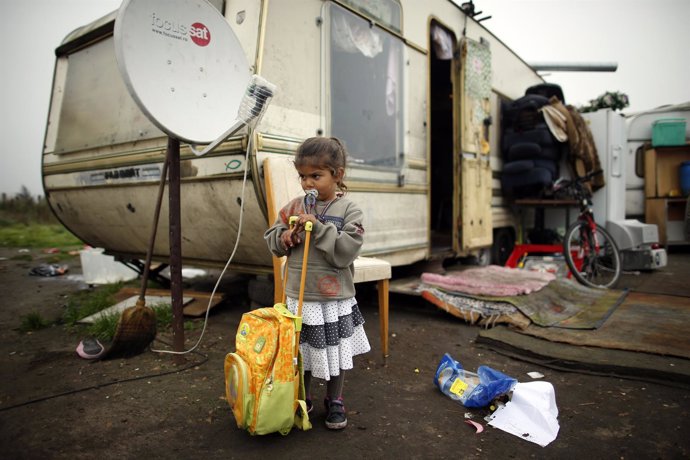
<point x="586" y="246"/>
<point x="588" y="254"/>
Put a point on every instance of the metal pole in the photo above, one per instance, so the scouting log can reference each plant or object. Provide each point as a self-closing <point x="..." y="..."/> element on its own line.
<point x="575" y="66"/>
<point x="175" y="228"/>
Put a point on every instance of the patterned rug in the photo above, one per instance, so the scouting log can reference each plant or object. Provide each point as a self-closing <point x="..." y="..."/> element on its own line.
<point x="561" y="303"/>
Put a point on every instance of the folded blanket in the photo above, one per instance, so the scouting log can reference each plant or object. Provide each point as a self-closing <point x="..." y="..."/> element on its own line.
<point x="491" y="280"/>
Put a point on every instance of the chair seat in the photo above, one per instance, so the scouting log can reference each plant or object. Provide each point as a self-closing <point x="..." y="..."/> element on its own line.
<point x="371" y="269"/>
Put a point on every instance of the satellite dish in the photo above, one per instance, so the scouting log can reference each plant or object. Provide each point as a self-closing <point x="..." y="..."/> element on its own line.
<point x="187" y="72"/>
<point x="183" y="65"/>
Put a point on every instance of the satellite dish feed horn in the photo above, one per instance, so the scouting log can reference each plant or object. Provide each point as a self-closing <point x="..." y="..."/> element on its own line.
<point x="252" y="108"/>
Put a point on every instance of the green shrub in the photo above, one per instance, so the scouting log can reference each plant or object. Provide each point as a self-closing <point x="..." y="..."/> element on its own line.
<point x="33" y="322"/>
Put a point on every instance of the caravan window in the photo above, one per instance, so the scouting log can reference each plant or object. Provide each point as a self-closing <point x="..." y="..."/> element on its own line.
<point x="386" y="12"/>
<point x="366" y="89"/>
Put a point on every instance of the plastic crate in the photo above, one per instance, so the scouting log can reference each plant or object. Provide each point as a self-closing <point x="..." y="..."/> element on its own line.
<point x="668" y="132"/>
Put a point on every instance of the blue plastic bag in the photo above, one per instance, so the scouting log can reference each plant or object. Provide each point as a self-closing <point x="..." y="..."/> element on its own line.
<point x="469" y="388"/>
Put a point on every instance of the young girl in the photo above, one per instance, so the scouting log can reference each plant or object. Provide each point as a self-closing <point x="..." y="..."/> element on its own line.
<point x="332" y="326"/>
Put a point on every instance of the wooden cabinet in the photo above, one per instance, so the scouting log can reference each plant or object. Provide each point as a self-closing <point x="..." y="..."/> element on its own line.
<point x="669" y="216"/>
<point x="662" y="170"/>
<point x="663" y="205"/>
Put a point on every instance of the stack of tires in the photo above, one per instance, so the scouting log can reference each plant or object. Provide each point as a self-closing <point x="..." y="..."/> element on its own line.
<point x="531" y="154"/>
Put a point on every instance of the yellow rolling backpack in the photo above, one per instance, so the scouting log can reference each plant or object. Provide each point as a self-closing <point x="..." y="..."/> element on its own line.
<point x="263" y="378"/>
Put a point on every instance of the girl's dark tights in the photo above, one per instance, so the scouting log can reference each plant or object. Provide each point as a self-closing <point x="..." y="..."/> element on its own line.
<point x="334" y="387"/>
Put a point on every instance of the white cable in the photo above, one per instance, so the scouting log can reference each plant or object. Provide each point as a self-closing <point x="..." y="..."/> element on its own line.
<point x="237" y="242"/>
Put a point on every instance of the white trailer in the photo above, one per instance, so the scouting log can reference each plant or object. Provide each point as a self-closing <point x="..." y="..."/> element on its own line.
<point x="638" y="242"/>
<point x="667" y="208"/>
<point x="639" y="133"/>
<point x="413" y="88"/>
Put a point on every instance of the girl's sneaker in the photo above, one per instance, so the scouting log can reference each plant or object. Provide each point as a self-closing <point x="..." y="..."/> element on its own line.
<point x="336" y="419"/>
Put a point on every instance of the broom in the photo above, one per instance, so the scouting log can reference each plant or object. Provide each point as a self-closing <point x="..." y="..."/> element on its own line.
<point x="136" y="327"/>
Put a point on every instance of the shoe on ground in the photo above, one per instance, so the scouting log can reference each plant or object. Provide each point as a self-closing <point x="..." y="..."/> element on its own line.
<point x="336" y="419"/>
<point x="90" y="348"/>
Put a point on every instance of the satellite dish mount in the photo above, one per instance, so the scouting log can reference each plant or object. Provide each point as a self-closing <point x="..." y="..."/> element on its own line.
<point x="186" y="70"/>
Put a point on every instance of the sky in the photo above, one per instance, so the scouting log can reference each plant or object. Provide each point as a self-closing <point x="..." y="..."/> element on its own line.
<point x="32" y="30"/>
<point x="648" y="40"/>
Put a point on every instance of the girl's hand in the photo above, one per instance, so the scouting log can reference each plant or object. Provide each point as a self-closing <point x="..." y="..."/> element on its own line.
<point x="302" y="220"/>
<point x="290" y="239"/>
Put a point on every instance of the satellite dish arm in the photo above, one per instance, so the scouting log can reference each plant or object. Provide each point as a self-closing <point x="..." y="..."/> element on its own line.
<point x="252" y="108"/>
<point x="239" y="124"/>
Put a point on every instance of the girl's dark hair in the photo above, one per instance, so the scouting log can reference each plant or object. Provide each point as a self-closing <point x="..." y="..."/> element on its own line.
<point x="324" y="152"/>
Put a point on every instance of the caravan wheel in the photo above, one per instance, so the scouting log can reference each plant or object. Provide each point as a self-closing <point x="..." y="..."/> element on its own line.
<point x="261" y="291"/>
<point x="504" y="242"/>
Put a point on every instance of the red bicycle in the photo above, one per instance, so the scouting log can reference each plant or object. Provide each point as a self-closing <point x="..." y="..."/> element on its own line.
<point x="590" y="251"/>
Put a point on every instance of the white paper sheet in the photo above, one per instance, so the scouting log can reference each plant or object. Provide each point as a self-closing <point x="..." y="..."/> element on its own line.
<point x="531" y="414"/>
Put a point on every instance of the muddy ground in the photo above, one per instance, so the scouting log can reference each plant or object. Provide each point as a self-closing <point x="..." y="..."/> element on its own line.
<point x="55" y="405"/>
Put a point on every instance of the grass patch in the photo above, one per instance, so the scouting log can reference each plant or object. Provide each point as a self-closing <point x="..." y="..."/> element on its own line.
<point x="103" y="328"/>
<point x="84" y="303"/>
<point x="34" y="235"/>
<point x="33" y="322"/>
<point x="164" y="315"/>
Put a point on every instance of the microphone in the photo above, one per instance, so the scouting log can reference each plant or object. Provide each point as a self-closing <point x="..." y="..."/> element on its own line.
<point x="310" y="199"/>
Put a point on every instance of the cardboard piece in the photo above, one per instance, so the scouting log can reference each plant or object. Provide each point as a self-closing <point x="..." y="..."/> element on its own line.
<point x="151" y="300"/>
<point x="196" y="307"/>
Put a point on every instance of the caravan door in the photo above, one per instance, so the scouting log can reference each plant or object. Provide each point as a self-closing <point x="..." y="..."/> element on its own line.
<point x="472" y="227"/>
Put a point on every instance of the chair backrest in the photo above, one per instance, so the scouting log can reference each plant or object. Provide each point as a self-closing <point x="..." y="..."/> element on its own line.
<point x="282" y="184"/>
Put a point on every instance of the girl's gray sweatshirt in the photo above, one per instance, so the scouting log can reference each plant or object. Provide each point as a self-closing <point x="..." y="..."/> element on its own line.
<point x="335" y="243"/>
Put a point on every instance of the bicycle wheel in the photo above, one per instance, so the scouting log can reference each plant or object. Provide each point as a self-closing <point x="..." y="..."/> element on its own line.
<point x="595" y="268"/>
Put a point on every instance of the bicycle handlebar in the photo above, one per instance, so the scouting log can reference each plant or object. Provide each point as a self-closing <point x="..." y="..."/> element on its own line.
<point x="590" y="176"/>
<point x="562" y="183"/>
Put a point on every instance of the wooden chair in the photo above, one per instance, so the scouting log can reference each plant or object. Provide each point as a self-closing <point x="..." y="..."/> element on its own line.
<point x="282" y="184"/>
